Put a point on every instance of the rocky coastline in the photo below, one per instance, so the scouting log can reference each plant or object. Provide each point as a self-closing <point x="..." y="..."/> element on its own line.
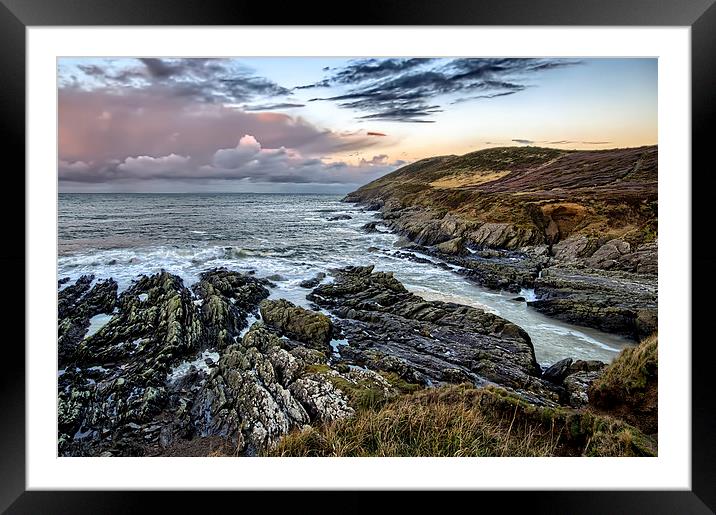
<point x="589" y="251"/>
<point x="221" y="369"/>
<point x="179" y="371"/>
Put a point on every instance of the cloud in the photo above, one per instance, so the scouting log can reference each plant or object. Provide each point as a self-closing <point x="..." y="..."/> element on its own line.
<point x="381" y="159"/>
<point x="405" y="90"/>
<point x="492" y="95"/>
<point x="247" y="160"/>
<point x="523" y="141"/>
<point x="372" y="133"/>
<point x="101" y="125"/>
<point x="146" y="165"/>
<point x="272" y="107"/>
<point x="229" y="158"/>
<point x="206" y="80"/>
<point x="566" y="142"/>
<point x="368" y="69"/>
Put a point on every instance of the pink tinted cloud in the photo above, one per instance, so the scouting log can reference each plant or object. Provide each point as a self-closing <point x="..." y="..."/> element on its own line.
<point x="100" y="126"/>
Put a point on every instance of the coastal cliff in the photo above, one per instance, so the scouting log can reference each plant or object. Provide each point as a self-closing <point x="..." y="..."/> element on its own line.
<point x="580" y="228"/>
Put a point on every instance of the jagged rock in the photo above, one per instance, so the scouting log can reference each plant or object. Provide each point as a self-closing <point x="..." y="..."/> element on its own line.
<point x="320" y="398"/>
<point x="428" y="342"/>
<point x="128" y="388"/>
<point x="611" y="301"/>
<point x="77" y="304"/>
<point x="455" y="247"/>
<point x="503" y="236"/>
<point x="313" y="282"/>
<point x="164" y="327"/>
<point x="313" y="329"/>
<point x="118" y="376"/>
<point x="557" y="372"/>
<point x="577" y="386"/>
<point x="586" y="366"/>
<point x="227" y="300"/>
<point x="572" y="249"/>
<point x="339" y="217"/>
<point x="370" y="227"/>
<point x="258" y="392"/>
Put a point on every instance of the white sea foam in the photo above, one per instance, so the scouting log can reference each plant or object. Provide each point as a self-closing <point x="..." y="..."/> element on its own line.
<point x="250" y="320"/>
<point x="97" y="322"/>
<point x="199" y="363"/>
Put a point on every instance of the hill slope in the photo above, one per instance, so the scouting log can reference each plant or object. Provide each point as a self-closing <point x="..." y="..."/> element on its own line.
<point x="547" y="195"/>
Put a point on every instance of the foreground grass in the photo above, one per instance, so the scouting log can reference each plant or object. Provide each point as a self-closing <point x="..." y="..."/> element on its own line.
<point x="465" y="421"/>
<point x="632" y="371"/>
<point x="629" y="386"/>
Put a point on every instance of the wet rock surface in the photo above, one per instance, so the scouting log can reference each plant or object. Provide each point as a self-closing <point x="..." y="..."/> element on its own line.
<point x="428" y="342"/>
<point x="128" y="387"/>
<point x="225" y="300"/>
<point x="76" y="305"/>
<point x="612" y="301"/>
<point x="313" y="282"/>
<point x="313" y="329"/>
<point x="172" y="366"/>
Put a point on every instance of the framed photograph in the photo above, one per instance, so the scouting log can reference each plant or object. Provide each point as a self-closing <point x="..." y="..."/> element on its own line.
<point x="436" y="247"/>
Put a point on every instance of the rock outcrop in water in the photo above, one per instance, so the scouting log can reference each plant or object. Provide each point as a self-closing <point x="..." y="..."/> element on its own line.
<point x="429" y="342"/>
<point x="612" y="301"/>
<point x="115" y="386"/>
<point x="225" y="299"/>
<point x="76" y="305"/>
<point x="586" y="219"/>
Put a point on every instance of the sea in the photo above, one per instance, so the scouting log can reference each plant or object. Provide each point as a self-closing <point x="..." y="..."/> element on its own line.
<point x="287" y="238"/>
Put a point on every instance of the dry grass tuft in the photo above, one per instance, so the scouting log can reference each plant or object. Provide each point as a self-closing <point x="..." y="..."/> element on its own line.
<point x="465" y="421"/>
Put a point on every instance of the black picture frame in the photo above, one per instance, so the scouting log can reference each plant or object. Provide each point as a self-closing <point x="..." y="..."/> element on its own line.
<point x="17" y="15"/>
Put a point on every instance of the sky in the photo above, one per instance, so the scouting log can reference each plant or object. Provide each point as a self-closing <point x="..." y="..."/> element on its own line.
<point x="329" y="125"/>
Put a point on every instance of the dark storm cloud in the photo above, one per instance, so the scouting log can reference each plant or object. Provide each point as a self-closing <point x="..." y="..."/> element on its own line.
<point x="405" y="90"/>
<point x="368" y="69"/>
<point x="205" y="80"/>
<point x="161" y="69"/>
<point x="490" y="95"/>
<point x="272" y="107"/>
